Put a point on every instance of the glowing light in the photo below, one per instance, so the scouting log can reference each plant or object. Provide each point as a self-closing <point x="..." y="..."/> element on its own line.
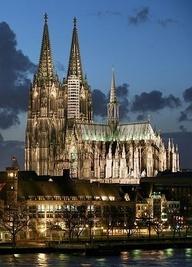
<point x="104" y="197"/>
<point x="188" y="252"/>
<point x="53" y="93"/>
<point x="136" y="253"/>
<point x="42" y="259"/>
<point x="169" y="252"/>
<point x="124" y="255"/>
<point x="42" y="228"/>
<point x="35" y="93"/>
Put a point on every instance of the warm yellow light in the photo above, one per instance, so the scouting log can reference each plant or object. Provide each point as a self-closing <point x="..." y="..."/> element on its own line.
<point x="41" y="228"/>
<point x="35" y="93"/>
<point x="11" y="174"/>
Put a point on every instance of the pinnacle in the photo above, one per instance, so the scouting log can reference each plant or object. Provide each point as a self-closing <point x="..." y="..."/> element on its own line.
<point x="75" y="67"/>
<point x="45" y="68"/>
<point x="113" y="97"/>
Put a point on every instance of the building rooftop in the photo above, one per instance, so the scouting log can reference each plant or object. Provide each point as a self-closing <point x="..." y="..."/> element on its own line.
<point x="170" y="178"/>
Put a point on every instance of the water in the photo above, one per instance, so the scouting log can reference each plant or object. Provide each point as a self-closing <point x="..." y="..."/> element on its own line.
<point x="167" y="257"/>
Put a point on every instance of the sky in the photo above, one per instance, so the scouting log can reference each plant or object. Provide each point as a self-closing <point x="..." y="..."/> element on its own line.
<point x="147" y="42"/>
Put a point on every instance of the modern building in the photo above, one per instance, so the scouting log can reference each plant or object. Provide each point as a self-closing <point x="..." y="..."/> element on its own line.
<point x="176" y="187"/>
<point x="61" y="134"/>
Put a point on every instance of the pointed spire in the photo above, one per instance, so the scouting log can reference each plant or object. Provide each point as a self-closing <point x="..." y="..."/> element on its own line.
<point x="110" y="152"/>
<point x="75" y="67"/>
<point x="113" y="107"/>
<point x="117" y="151"/>
<point x="177" y="149"/>
<point x="45" y="68"/>
<point x="113" y="97"/>
<point x="172" y="146"/>
<point x="169" y="144"/>
<point x="123" y="152"/>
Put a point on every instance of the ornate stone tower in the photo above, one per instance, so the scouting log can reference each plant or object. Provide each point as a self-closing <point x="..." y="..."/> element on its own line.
<point x="45" y="120"/>
<point x="79" y="106"/>
<point x="54" y="108"/>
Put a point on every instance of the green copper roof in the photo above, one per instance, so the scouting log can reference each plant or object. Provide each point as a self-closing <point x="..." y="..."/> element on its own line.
<point x="136" y="131"/>
<point x="94" y="132"/>
<point x="125" y="132"/>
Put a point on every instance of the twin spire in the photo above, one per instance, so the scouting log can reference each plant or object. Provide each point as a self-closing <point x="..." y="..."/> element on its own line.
<point x="45" y="68"/>
<point x="75" y="67"/>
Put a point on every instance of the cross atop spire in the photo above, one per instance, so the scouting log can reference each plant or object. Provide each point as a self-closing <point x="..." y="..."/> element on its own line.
<point x="45" y="68"/>
<point x="75" y="67"/>
<point x="45" y="17"/>
<point x="74" y="22"/>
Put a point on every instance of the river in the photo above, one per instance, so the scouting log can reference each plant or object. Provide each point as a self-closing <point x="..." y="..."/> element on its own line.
<point x="167" y="257"/>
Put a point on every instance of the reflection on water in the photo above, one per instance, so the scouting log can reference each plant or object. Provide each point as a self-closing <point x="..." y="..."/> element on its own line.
<point x="124" y="256"/>
<point x="188" y="252"/>
<point x="136" y="254"/>
<point x="166" y="257"/>
<point x="169" y="252"/>
<point x="42" y="259"/>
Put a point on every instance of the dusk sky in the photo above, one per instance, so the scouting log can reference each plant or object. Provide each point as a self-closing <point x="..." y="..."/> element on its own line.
<point x="147" y="42"/>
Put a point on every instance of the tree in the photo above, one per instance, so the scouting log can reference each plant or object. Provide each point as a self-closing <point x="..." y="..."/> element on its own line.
<point x="90" y="214"/>
<point x="75" y="220"/>
<point x="129" y="221"/>
<point x="14" y="218"/>
<point x="112" y="217"/>
<point x="177" y="224"/>
<point x="175" y="220"/>
<point x="147" y="218"/>
<point x="157" y="226"/>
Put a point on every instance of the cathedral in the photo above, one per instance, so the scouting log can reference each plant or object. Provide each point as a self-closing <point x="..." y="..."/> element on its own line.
<point x="62" y="136"/>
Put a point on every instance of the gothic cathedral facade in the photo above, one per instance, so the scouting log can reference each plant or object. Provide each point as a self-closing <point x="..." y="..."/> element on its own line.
<point x="61" y="133"/>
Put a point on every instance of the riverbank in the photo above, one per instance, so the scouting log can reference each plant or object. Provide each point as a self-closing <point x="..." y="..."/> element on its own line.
<point x="117" y="248"/>
<point x="107" y="247"/>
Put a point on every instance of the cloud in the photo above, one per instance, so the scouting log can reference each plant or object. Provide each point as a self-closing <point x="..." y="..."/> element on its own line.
<point x="99" y="101"/>
<point x="187" y="95"/>
<point x="186" y="115"/>
<point x="154" y="101"/>
<point x="183" y="116"/>
<point x="15" y="69"/>
<point x="166" y="22"/>
<point x="8" y="117"/>
<point x="1" y="138"/>
<point x="141" y="16"/>
<point x="140" y="117"/>
<point x="122" y="92"/>
<point x="182" y="128"/>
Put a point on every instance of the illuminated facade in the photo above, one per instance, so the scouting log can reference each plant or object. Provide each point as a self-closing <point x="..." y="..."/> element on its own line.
<point x="61" y="134"/>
